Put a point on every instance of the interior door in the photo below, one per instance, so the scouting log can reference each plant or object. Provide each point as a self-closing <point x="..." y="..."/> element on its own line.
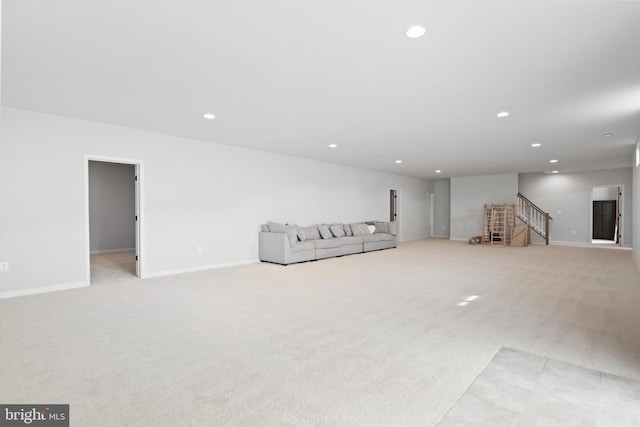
<point x="604" y="219"/>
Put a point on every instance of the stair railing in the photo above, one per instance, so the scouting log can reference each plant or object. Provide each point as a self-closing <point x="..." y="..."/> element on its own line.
<point x="534" y="217"/>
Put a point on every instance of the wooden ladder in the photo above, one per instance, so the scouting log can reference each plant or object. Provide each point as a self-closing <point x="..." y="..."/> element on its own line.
<point x="498" y="227"/>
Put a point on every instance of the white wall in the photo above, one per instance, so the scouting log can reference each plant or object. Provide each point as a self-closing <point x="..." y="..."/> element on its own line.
<point x="636" y="206"/>
<point x="568" y="197"/>
<point x="470" y="194"/>
<point x="605" y="193"/>
<point x="442" y="192"/>
<point x="193" y="193"/>
<point x="111" y="206"/>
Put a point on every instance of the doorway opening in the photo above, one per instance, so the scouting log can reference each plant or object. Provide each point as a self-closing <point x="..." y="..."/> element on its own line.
<point x="606" y="218"/>
<point x="112" y="219"/>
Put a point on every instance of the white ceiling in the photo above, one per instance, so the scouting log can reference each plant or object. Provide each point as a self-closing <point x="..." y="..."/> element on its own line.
<point x="295" y="76"/>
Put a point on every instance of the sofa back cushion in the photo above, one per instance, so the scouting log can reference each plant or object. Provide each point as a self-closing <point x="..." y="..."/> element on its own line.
<point x="274" y="227"/>
<point x="360" y="229"/>
<point x="325" y="233"/>
<point x="347" y="230"/>
<point x="337" y="230"/>
<point x="311" y="232"/>
<point x="302" y="235"/>
<point x="381" y="227"/>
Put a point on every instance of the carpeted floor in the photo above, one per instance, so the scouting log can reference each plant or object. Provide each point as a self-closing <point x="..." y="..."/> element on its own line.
<point x="376" y="339"/>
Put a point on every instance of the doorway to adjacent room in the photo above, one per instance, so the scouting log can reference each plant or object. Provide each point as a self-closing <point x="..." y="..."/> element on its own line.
<point x="606" y="218"/>
<point x="112" y="219"/>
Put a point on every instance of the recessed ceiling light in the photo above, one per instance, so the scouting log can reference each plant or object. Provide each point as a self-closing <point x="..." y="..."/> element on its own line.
<point x="607" y="134"/>
<point x="553" y="161"/>
<point x="438" y="171"/>
<point x="416" y="31"/>
<point x="536" y="145"/>
<point x="503" y="114"/>
<point x="554" y="171"/>
<point x="333" y="145"/>
<point x="398" y="161"/>
<point x="209" y="116"/>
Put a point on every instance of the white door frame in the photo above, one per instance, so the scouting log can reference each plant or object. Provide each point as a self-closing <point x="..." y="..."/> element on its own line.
<point x="138" y="211"/>
<point x="622" y="218"/>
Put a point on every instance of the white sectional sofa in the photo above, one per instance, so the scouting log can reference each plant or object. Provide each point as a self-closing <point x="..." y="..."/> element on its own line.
<point x="287" y="244"/>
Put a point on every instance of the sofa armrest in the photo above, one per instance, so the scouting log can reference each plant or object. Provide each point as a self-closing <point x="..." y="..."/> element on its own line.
<point x="393" y="228"/>
<point x="274" y="247"/>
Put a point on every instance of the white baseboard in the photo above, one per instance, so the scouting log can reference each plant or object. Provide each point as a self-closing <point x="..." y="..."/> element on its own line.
<point x="455" y="239"/>
<point x="108" y="251"/>
<point x="43" y="289"/>
<point x="588" y="245"/>
<point x="195" y="269"/>
<point x="442" y="237"/>
<point x="567" y="243"/>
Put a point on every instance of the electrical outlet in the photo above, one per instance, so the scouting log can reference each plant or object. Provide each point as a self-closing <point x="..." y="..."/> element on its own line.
<point x="4" y="266"/>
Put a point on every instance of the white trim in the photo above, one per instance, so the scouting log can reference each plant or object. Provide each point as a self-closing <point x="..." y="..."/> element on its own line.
<point x="108" y="251"/>
<point x="43" y="289"/>
<point x="199" y="268"/>
<point x="455" y="239"/>
<point x="139" y="204"/>
<point x="567" y="243"/>
<point x="589" y="245"/>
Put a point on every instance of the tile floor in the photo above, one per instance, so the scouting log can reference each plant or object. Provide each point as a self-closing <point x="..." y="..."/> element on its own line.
<point x="522" y="389"/>
<point x="112" y="266"/>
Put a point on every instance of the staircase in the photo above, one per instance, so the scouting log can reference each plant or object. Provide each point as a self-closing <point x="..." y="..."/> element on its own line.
<point x="535" y="218"/>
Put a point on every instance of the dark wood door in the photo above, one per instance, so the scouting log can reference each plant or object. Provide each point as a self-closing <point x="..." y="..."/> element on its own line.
<point x="604" y="219"/>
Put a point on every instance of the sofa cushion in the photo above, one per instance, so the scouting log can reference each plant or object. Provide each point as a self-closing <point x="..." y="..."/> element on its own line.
<point x="327" y="243"/>
<point x="337" y="230"/>
<point x="311" y="232"/>
<point x="325" y="233"/>
<point x="360" y="229"/>
<point x="302" y="235"/>
<point x="371" y="228"/>
<point x="303" y="246"/>
<point x="381" y="227"/>
<point x="264" y="227"/>
<point x="387" y="236"/>
<point x="350" y="240"/>
<point x="347" y="230"/>
<point x="372" y="238"/>
<point x="274" y="227"/>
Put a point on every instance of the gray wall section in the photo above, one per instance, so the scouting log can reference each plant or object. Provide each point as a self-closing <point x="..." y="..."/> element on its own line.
<point x="568" y="198"/>
<point x="194" y="193"/>
<point x="636" y="207"/>
<point x="605" y="193"/>
<point x="111" y="206"/>
<point x="470" y="194"/>
<point x="442" y="211"/>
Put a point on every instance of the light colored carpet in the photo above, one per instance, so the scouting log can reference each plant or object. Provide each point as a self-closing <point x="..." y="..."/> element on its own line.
<point x="375" y="339"/>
